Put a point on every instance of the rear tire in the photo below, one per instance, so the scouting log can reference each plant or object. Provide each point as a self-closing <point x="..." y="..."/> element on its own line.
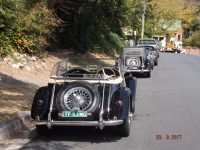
<point x="156" y="63"/>
<point x="148" y="74"/>
<point x="125" y="128"/>
<point x="42" y="129"/>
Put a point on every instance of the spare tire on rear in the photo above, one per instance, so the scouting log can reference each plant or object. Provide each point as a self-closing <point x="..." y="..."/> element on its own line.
<point x="78" y="96"/>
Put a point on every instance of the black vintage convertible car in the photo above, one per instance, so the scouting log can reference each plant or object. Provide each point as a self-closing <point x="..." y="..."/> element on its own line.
<point x="86" y="92"/>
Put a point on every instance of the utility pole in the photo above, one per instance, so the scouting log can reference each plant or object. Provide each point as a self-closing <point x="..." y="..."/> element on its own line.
<point x="143" y="18"/>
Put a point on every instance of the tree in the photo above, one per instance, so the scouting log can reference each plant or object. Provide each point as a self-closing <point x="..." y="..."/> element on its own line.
<point x="93" y="24"/>
<point x="135" y="13"/>
<point x="7" y="15"/>
<point x="192" y="34"/>
<point x="196" y="21"/>
<point x="25" y="26"/>
<point x="167" y="12"/>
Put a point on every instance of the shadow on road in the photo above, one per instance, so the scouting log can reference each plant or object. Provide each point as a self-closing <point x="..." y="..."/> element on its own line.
<point x="15" y="96"/>
<point x="60" y="138"/>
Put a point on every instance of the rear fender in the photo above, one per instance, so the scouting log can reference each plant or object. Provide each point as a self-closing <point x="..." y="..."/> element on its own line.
<point x="125" y="98"/>
<point x="123" y="95"/>
<point x="131" y="83"/>
<point x="41" y="103"/>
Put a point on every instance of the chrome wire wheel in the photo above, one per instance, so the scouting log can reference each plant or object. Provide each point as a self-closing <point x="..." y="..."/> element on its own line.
<point x="78" y="99"/>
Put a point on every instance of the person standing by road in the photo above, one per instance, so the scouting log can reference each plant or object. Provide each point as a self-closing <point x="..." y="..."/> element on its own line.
<point x="131" y="42"/>
<point x="163" y="44"/>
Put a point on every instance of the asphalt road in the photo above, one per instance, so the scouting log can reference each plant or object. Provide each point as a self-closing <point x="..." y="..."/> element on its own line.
<point x="167" y="114"/>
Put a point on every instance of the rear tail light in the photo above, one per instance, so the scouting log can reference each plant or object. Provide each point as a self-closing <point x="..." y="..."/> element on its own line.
<point x="119" y="103"/>
<point x="89" y="114"/>
<point x="151" y="57"/>
<point x="114" y="118"/>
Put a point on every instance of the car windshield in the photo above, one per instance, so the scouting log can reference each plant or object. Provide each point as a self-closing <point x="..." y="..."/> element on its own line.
<point x="82" y="66"/>
<point x="148" y="48"/>
<point x="150" y="42"/>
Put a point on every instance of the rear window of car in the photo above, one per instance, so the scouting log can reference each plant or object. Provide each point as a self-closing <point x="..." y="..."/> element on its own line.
<point x="151" y="42"/>
<point x="149" y="48"/>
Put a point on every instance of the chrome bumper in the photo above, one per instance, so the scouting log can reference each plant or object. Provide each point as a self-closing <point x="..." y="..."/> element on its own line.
<point x="81" y="123"/>
<point x="138" y="71"/>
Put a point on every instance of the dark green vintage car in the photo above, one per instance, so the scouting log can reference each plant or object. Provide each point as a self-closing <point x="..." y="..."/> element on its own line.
<point x="136" y="60"/>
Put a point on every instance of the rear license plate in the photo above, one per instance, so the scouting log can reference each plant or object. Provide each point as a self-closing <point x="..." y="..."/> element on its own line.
<point x="69" y="114"/>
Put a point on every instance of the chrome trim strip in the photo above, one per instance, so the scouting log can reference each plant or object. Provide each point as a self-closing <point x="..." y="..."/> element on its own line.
<point x="143" y="60"/>
<point x="102" y="109"/>
<point x="82" y="123"/>
<point x="141" y="71"/>
<point x="109" y="99"/>
<point x="51" y="106"/>
<point x="110" y="81"/>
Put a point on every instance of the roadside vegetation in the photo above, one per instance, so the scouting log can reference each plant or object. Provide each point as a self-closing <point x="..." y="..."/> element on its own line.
<point x="168" y="12"/>
<point x="36" y="26"/>
<point x="25" y="26"/>
<point x="193" y="32"/>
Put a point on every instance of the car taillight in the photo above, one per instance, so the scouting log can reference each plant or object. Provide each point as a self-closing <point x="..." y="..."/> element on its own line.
<point x="151" y="57"/>
<point x="119" y="103"/>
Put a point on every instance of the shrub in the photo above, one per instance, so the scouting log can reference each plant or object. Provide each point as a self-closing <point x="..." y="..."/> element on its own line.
<point x="116" y="41"/>
<point x="5" y="45"/>
<point x="187" y="42"/>
<point x="109" y="44"/>
<point x="96" y="26"/>
<point x="25" y="26"/>
<point x="196" y="39"/>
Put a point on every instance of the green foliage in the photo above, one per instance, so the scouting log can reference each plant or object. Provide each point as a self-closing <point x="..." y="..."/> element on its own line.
<point x="196" y="39"/>
<point x="196" y="21"/>
<point x="92" y="25"/>
<point x="193" y="32"/>
<point x="187" y="42"/>
<point x="110" y="44"/>
<point x="116" y="40"/>
<point x="25" y="26"/>
<point x="97" y="25"/>
<point x="7" y="15"/>
<point x="5" y="44"/>
<point x="135" y="14"/>
<point x="183" y="10"/>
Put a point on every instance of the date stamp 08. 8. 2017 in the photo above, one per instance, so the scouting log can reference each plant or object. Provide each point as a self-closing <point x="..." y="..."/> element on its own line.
<point x="169" y="137"/>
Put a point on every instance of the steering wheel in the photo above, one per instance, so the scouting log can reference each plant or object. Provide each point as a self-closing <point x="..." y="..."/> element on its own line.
<point x="107" y="73"/>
